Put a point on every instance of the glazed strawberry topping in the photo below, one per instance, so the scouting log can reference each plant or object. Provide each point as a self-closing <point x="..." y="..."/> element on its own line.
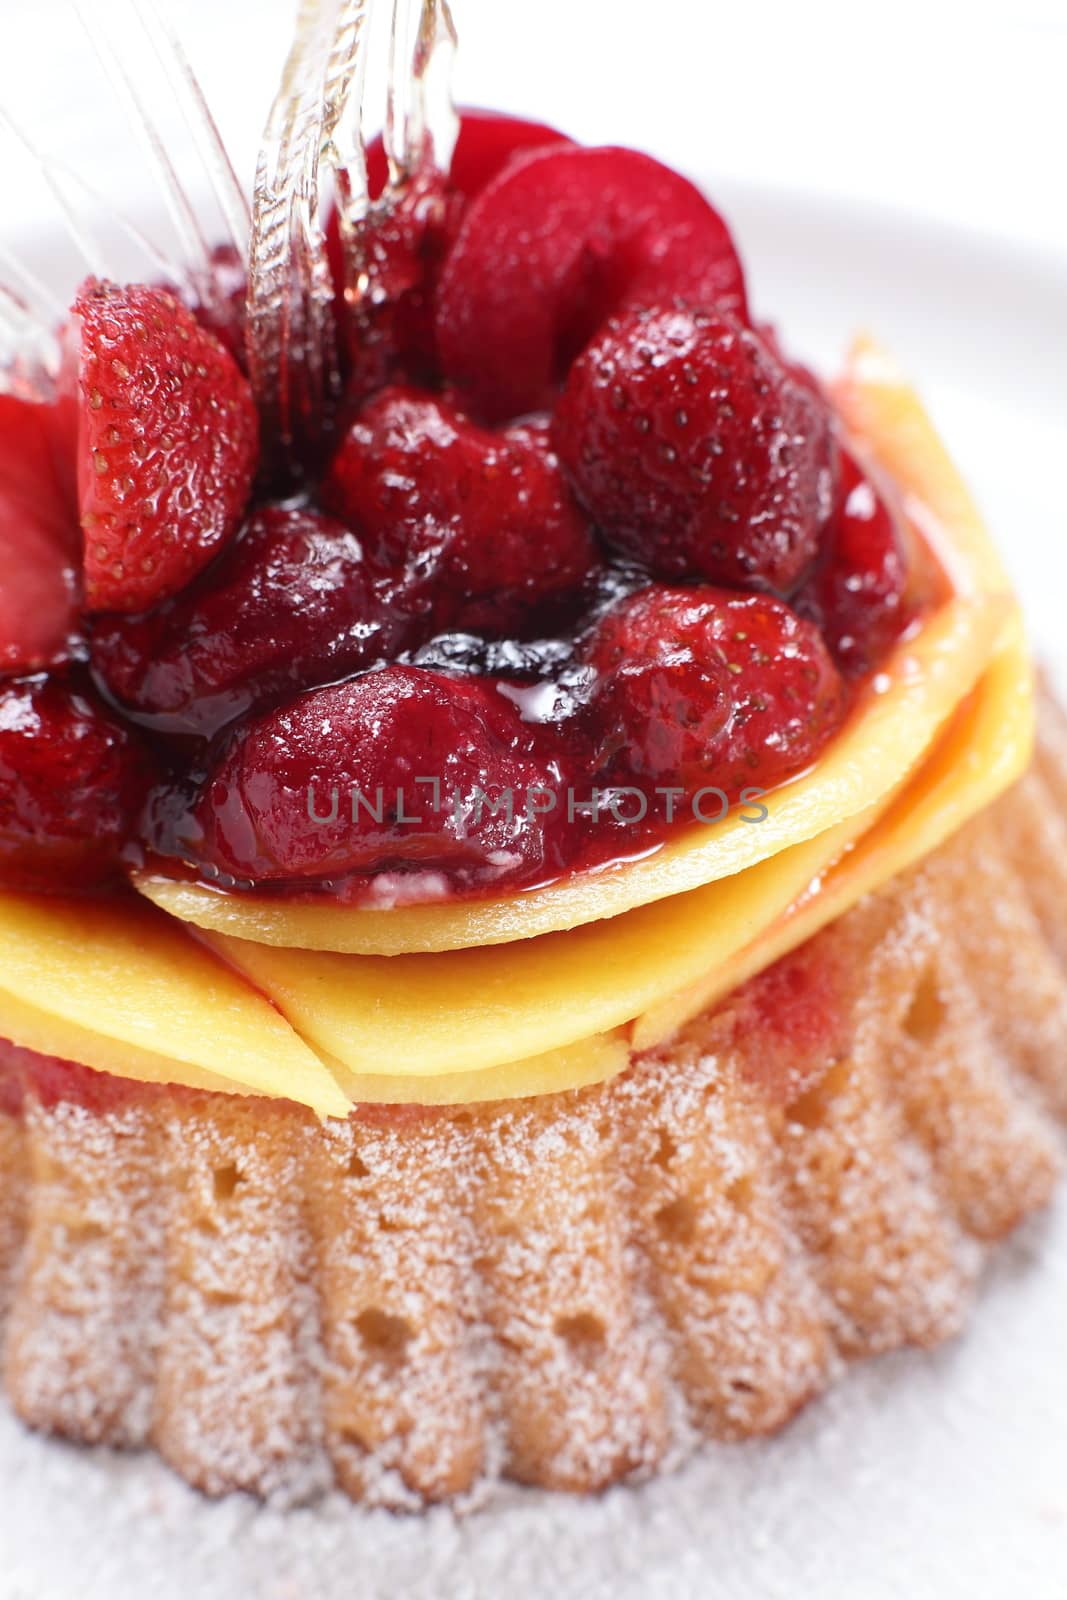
<point x="72" y="783"/>
<point x="696" y="452"/>
<point x="219" y="303"/>
<point x="580" y="533"/>
<point x="167" y="445"/>
<point x="292" y="602"/>
<point x="402" y="767"/>
<point x="704" y="687"/>
<point x="552" y="247"/>
<point x="484" y="519"/>
<point x="392" y="337"/>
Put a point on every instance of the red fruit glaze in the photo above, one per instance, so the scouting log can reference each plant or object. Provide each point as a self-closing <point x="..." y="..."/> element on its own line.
<point x="560" y="240"/>
<point x="798" y="1013"/>
<point x="39" y="542"/>
<point x="382" y="732"/>
<point x="290" y="603"/>
<point x="701" y="687"/>
<point x="167" y="445"/>
<point x="695" y="452"/>
<point x="72" y="783"/>
<point x="51" y="1081"/>
<point x="483" y="522"/>
<point x="387" y="332"/>
<point x="857" y="594"/>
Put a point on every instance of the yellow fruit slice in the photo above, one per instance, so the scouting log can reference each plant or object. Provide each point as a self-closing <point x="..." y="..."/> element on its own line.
<point x="465" y="1010"/>
<point x="421" y="1015"/>
<point x="885" y="412"/>
<point x="49" y="1035"/>
<point x="116" y="985"/>
<point x="574" y="1067"/>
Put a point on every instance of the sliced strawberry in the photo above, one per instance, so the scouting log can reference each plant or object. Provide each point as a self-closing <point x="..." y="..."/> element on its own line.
<point x="39" y="542"/>
<point x="556" y="244"/>
<point x="167" y="445"/>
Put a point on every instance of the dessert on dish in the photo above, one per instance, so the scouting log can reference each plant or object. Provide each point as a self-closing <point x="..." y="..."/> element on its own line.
<point x="530" y="906"/>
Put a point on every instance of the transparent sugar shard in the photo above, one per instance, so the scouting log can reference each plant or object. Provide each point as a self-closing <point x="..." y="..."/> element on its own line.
<point x="314" y="134"/>
<point x="385" y="241"/>
<point x="421" y="123"/>
<point x="228" y="191"/>
<point x="313" y="147"/>
<point x="291" y="342"/>
<point x="29" y="351"/>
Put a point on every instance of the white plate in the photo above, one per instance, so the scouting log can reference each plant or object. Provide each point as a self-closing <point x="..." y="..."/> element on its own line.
<point x="941" y="1476"/>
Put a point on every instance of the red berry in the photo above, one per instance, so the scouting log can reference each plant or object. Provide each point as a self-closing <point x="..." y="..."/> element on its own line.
<point x="695" y="452"/>
<point x="555" y="244"/>
<point x="167" y="445"/>
<point x="857" y="594"/>
<point x="72" y="782"/>
<point x="376" y="737"/>
<point x="39" y="541"/>
<point x="291" y="603"/>
<point x="484" y="521"/>
<point x="701" y="687"/>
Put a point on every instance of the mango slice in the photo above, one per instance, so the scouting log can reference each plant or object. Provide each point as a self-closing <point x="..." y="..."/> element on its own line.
<point x="592" y="1060"/>
<point x="122" y="987"/>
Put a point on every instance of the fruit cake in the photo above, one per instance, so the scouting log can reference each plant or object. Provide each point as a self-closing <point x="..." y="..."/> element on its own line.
<point x="532" y="921"/>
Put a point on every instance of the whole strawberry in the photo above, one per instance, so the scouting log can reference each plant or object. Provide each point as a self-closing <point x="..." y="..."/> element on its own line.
<point x="72" y="782"/>
<point x="701" y="687"/>
<point x="696" y="452"/>
<point x="483" y="522"/>
<point x="167" y="445"/>
<point x="399" y="769"/>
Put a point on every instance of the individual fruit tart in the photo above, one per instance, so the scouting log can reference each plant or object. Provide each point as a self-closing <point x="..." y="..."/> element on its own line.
<point x="533" y="913"/>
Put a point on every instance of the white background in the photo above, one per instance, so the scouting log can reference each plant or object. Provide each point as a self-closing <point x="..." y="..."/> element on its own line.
<point x="897" y="166"/>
